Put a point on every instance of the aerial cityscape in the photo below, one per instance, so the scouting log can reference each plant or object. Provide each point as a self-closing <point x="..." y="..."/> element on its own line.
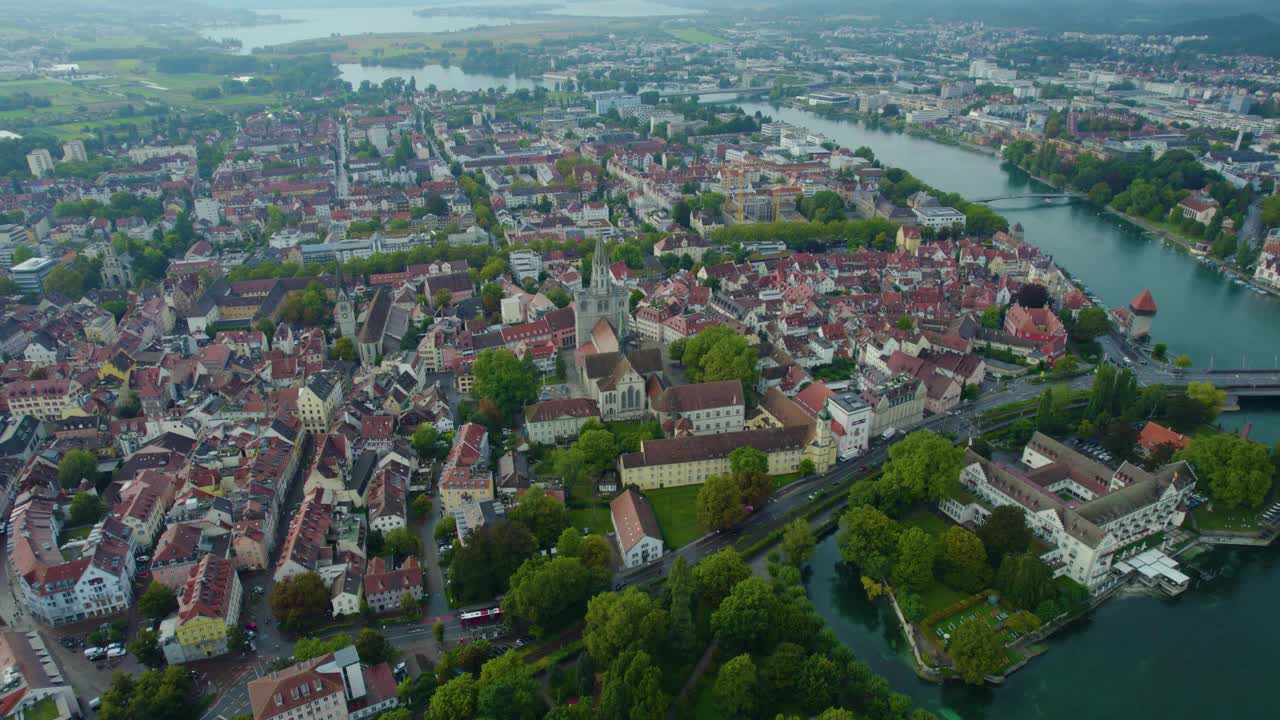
<point x="639" y="360"/>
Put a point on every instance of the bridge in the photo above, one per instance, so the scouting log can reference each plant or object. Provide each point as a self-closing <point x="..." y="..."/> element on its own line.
<point x="1046" y="196"/>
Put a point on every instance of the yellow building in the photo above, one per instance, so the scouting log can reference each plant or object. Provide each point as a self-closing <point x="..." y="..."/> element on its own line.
<point x="318" y="401"/>
<point x="119" y="366"/>
<point x="208" y="608"/>
<point x="690" y="460"/>
<point x="466" y="476"/>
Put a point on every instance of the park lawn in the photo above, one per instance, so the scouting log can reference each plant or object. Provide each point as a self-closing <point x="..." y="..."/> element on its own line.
<point x="938" y="596"/>
<point x="677" y="514"/>
<point x="595" y="518"/>
<point x="930" y="523"/>
<point x="781" y="481"/>
<point x="46" y="709"/>
<point x="1227" y="520"/>
<point x="698" y="37"/>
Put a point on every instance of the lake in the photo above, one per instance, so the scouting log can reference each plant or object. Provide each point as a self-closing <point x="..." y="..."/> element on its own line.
<point x="324" y="22"/>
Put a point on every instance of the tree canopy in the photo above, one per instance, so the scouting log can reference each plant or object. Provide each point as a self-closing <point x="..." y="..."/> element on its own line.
<point x="1236" y="472"/>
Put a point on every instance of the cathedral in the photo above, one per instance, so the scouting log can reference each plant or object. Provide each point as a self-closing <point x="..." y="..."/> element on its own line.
<point x="603" y="300"/>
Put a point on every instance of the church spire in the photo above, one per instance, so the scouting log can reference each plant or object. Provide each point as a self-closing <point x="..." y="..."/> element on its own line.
<point x="600" y="266"/>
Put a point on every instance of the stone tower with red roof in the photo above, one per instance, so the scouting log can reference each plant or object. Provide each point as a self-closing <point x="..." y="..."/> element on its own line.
<point x="1143" y="311"/>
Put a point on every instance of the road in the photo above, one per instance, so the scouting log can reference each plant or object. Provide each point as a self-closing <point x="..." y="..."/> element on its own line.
<point x="344" y="183"/>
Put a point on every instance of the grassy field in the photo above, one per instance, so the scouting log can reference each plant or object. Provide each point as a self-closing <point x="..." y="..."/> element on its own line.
<point x="677" y="514"/>
<point x="596" y="519"/>
<point x="698" y="37"/>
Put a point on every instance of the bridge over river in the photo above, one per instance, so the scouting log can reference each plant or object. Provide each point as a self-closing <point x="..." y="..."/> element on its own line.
<point x="1043" y="195"/>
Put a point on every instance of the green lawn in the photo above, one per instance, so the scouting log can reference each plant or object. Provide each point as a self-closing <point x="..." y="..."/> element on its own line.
<point x="1227" y="520"/>
<point x="595" y="519"/>
<point x="930" y="523"/>
<point x="46" y="709"/>
<point x="781" y="481"/>
<point x="677" y="514"/>
<point x="938" y="596"/>
<point x="80" y="533"/>
<point x="699" y="37"/>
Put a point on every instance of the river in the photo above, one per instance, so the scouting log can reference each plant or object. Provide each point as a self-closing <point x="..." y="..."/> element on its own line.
<point x="1201" y="313"/>
<point x="1202" y="655"/>
<point x="325" y="21"/>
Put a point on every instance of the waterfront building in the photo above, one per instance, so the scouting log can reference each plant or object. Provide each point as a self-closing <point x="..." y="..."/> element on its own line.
<point x="1135" y="320"/>
<point x="1083" y="510"/>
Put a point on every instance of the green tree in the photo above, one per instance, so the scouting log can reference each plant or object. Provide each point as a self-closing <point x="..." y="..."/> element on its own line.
<point x="681" y="587"/>
<point x="569" y="543"/>
<point x="869" y="539"/>
<point x="1182" y="361"/>
<point x="1210" y="398"/>
<point x="492" y="554"/>
<point x="426" y="441"/>
<point x="415" y="693"/>
<point x="509" y="382"/>
<point x="546" y="594"/>
<point x="508" y="692"/>
<point x="146" y="648"/>
<point x="455" y="700"/>
<point x="308" y="648"/>
<point x="87" y="508"/>
<point x="300" y="600"/>
<point x="1025" y="580"/>
<point x="596" y="552"/>
<point x="806" y="468"/>
<point x="158" y="601"/>
<point x="402" y="542"/>
<point x="421" y="506"/>
<point x="1237" y="473"/>
<point x="542" y="514"/>
<point x="719" y="503"/>
<point x="798" y="542"/>
<point x="913" y="560"/>
<point x="1100" y="194"/>
<point x="1005" y="532"/>
<point x="155" y="694"/>
<point x="748" y="460"/>
<point x="66" y="281"/>
<point x="374" y="648"/>
<point x="977" y="652"/>
<point x="963" y="560"/>
<point x="735" y="687"/>
<point x="747" y="619"/>
<point x="344" y="348"/>
<point x="618" y="623"/>
<point x="633" y="689"/>
<point x="719" y="353"/>
<point x="76" y="466"/>
<point x="598" y="449"/>
<point x="1046" y="419"/>
<point x="1160" y="351"/>
<point x="922" y="467"/>
<point x="1092" y="322"/>
<point x="904" y="322"/>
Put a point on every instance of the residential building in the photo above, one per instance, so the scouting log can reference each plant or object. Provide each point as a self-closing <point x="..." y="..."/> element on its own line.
<point x="466" y="475"/>
<point x="636" y="529"/>
<point x="318" y="400"/>
<point x="385" y="586"/>
<point x="40" y="162"/>
<point x="74" y="151"/>
<point x="30" y="274"/>
<point x="554" y="421"/>
<point x="1199" y="209"/>
<point x="1039" y="325"/>
<point x="58" y="590"/>
<point x="525" y="264"/>
<point x="208" y="608"/>
<point x="41" y="399"/>
<point x="331" y="687"/>
<point x="701" y="408"/>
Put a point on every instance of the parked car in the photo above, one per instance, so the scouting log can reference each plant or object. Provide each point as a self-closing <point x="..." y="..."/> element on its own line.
<point x="95" y="703"/>
<point x="116" y="652"/>
<point x="89" y="652"/>
<point x="251" y="625"/>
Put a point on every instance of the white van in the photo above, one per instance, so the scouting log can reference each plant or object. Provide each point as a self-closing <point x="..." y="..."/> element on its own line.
<point x="95" y="703"/>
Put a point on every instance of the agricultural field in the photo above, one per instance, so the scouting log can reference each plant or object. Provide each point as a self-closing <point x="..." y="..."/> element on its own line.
<point x="695" y="36"/>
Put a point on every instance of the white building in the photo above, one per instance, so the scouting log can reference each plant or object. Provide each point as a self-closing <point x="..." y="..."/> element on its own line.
<point x="40" y="162"/>
<point x="74" y="150"/>
<point x="553" y="421"/>
<point x="1082" y="509"/>
<point x="30" y="274"/>
<point x="58" y="591"/>
<point x="636" y="528"/>
<point x="938" y="217"/>
<point x="525" y="264"/>
<point x="851" y="420"/>
<point x="702" y="408"/>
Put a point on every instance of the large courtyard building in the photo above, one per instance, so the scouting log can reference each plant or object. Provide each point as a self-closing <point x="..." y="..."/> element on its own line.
<point x="1085" y="511"/>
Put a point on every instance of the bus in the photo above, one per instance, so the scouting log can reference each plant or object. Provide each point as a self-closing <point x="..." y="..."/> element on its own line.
<point x="473" y="618"/>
